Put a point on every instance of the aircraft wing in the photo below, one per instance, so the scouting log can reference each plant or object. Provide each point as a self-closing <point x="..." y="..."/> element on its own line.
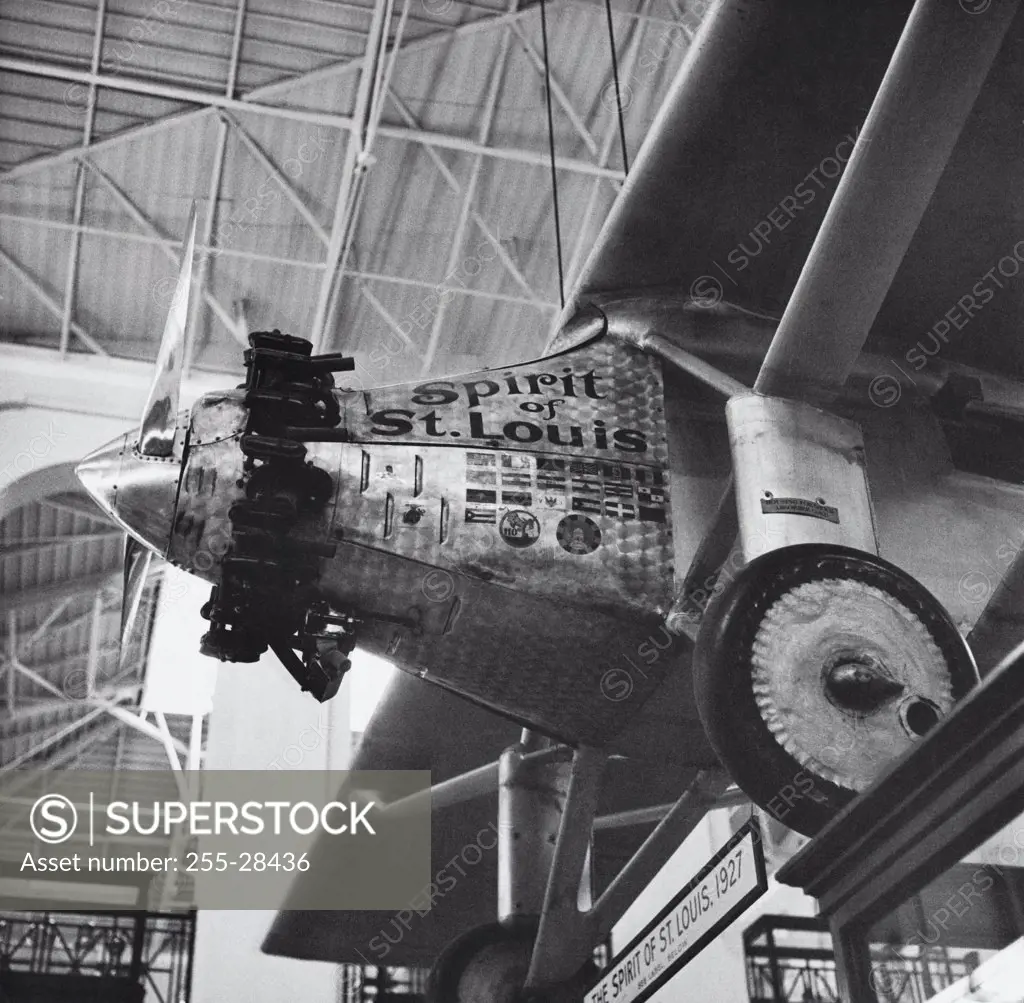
<point x="733" y="180"/>
<point x="732" y="184"/>
<point x="415" y="726"/>
<point x="418" y="726"/>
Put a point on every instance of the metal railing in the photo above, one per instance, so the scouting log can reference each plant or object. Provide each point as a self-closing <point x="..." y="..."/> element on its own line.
<point x="154" y="950"/>
<point x="790" y="959"/>
<point x="377" y="984"/>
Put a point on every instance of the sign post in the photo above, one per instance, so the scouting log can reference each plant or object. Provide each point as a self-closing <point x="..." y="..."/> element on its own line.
<point x="731" y="881"/>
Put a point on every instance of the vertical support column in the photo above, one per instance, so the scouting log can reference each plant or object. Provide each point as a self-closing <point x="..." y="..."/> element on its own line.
<point x="138" y="946"/>
<point x="93" y="658"/>
<point x="853" y="965"/>
<point x="773" y="962"/>
<point x="71" y="276"/>
<point x="216" y="177"/>
<point x="12" y="657"/>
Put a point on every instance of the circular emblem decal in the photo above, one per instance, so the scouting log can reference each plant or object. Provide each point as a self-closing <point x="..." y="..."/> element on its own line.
<point x="518" y="528"/>
<point x="578" y="535"/>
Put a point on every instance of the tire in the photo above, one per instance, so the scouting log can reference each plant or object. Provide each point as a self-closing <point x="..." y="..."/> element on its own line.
<point x="815" y="668"/>
<point x="489" y="964"/>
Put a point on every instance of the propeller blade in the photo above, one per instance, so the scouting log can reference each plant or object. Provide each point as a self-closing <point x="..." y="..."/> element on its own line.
<point x="159" y="416"/>
<point x="136" y="567"/>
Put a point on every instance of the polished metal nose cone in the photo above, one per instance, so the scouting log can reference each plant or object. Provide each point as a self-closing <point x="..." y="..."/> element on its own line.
<point x="137" y="492"/>
<point x="99" y="474"/>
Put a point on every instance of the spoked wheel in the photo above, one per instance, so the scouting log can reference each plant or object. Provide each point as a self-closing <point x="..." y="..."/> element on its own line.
<point x="815" y="668"/>
<point x="489" y="964"/>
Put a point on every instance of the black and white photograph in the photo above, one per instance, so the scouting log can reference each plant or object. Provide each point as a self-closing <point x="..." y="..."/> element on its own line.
<point x="511" y="501"/>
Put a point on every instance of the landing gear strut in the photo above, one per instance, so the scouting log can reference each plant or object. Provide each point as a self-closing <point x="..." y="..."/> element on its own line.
<point x="541" y="951"/>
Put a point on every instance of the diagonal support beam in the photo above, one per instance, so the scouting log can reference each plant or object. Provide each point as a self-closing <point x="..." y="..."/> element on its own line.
<point x="557" y="91"/>
<point x="136" y="722"/>
<point x="485" y="228"/>
<point x="451" y="34"/>
<point x="263" y="159"/>
<point x="368" y="107"/>
<point x="642" y="17"/>
<point x="50" y="302"/>
<point x="383" y="312"/>
<point x="167" y="740"/>
<point x="48" y="621"/>
<point x="241" y="9"/>
<point x="51" y="740"/>
<point x="102" y="706"/>
<point x="567" y="935"/>
<point x="60" y="591"/>
<point x="153" y="230"/>
<point x="70" y="755"/>
<point x="171" y="748"/>
<point x="914" y="123"/>
<point x="490" y="107"/>
<point x="71" y="281"/>
<point x="42" y="707"/>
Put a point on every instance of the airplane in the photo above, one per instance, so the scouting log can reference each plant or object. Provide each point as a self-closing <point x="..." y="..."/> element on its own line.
<point x="748" y="529"/>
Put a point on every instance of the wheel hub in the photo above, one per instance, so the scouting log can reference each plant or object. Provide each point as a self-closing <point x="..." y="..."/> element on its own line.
<point x="496" y="974"/>
<point x="846" y="678"/>
<point x="858" y="681"/>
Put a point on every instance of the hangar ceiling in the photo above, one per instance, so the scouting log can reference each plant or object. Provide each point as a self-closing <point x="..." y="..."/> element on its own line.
<point x="346" y="159"/>
<point x="373" y="176"/>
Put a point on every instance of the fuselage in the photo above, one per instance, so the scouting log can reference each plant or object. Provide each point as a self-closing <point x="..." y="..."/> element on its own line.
<point x="514" y="535"/>
<point x="507" y="534"/>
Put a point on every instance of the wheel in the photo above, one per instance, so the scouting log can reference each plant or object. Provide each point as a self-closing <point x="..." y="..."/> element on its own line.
<point x="489" y="964"/>
<point x="815" y="668"/>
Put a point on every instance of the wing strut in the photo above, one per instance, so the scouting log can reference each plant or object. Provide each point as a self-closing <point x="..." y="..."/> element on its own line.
<point x="929" y="89"/>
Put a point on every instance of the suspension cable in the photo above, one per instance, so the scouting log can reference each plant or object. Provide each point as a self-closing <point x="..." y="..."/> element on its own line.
<point x="618" y="89"/>
<point x="551" y="148"/>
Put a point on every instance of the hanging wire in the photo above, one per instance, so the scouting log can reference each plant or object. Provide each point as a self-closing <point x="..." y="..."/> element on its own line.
<point x="551" y="148"/>
<point x="618" y="90"/>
